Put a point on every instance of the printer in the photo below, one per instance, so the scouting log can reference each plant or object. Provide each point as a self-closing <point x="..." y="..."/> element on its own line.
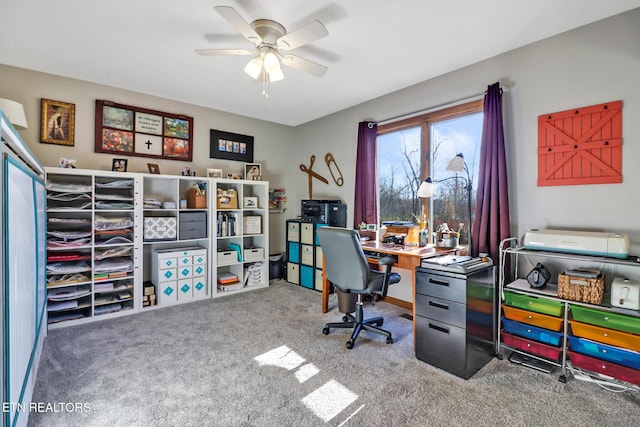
<point x="331" y="212"/>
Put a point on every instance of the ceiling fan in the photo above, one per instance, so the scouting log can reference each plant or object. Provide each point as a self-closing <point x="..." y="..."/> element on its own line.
<point x="269" y="39"/>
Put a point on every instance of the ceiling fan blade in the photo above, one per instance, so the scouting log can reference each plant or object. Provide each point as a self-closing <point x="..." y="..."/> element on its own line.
<point x="238" y="22"/>
<point x="209" y="52"/>
<point x="304" y="65"/>
<point x="310" y="32"/>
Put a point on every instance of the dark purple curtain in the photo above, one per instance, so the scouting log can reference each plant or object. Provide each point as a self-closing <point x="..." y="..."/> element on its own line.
<point x="491" y="223"/>
<point x="365" y="207"/>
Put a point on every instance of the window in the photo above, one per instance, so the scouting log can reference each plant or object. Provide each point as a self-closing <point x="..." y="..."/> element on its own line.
<point x="412" y="149"/>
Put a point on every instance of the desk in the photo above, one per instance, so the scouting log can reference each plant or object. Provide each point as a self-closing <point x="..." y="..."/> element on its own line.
<point x="409" y="258"/>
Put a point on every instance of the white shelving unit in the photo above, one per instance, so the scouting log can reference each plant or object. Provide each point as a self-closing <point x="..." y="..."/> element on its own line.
<point x="242" y="235"/>
<point x="145" y="216"/>
<point x="599" y="315"/>
<point x="92" y="256"/>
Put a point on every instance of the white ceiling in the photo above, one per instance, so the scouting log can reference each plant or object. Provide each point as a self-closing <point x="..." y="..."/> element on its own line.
<point x="374" y="47"/>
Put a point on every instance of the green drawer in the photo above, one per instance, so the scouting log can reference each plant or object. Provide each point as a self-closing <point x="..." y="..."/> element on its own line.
<point x="539" y="305"/>
<point x="616" y="321"/>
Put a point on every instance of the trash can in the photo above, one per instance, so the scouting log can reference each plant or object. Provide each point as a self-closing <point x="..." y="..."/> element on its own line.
<point x="346" y="301"/>
<point x="275" y="266"/>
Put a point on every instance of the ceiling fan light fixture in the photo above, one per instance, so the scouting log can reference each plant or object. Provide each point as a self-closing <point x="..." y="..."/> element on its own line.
<point x="254" y="67"/>
<point x="276" y="75"/>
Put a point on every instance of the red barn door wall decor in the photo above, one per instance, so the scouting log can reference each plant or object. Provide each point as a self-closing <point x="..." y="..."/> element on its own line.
<point x="581" y="146"/>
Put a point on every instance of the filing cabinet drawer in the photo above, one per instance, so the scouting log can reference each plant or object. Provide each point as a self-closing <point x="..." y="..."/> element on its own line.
<point x="453" y="313"/>
<point x="442" y="286"/>
<point x="441" y="345"/>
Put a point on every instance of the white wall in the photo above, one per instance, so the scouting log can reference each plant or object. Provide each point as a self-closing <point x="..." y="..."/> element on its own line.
<point x="591" y="65"/>
<point x="273" y="143"/>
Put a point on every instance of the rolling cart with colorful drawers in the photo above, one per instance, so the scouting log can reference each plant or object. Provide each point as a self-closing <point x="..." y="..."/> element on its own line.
<point x="589" y="340"/>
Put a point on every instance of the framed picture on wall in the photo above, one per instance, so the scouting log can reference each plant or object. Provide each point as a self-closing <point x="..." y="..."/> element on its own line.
<point x="230" y="146"/>
<point x="142" y="132"/>
<point x="57" y="122"/>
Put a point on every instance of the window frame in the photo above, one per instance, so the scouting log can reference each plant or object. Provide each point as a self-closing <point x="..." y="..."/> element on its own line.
<point x="424" y="121"/>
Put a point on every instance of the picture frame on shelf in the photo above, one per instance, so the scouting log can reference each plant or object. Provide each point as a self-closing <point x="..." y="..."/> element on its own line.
<point x="214" y="173"/>
<point x="250" y="202"/>
<point x="57" y="122"/>
<point x="253" y="172"/>
<point x="153" y="168"/>
<point x="119" y="165"/>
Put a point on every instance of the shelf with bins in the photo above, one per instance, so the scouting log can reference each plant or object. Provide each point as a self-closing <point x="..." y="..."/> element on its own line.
<point x="90" y="244"/>
<point x="241" y="222"/>
<point x="304" y="254"/>
<point x="595" y="340"/>
<point x="176" y="227"/>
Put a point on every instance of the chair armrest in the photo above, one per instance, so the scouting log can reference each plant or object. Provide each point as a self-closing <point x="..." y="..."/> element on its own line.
<point x="388" y="260"/>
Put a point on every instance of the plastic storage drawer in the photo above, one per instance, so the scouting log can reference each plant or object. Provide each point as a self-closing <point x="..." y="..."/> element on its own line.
<point x="606" y="368"/>
<point x="532" y="318"/>
<point x="606" y="352"/>
<point x="539" y="305"/>
<point x="616" y="321"/>
<point x="539" y="349"/>
<point x="604" y="335"/>
<point x="532" y="332"/>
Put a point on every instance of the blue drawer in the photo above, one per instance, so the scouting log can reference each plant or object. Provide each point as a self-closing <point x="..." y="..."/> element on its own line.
<point x="294" y="252"/>
<point x="606" y="352"/>
<point x="532" y="332"/>
<point x="307" y="277"/>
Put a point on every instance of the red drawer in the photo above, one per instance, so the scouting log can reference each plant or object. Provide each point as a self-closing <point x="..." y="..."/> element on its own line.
<point x="600" y="366"/>
<point x="533" y="347"/>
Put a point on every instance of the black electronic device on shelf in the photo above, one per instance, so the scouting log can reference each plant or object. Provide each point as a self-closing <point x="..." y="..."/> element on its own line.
<point x="331" y="212"/>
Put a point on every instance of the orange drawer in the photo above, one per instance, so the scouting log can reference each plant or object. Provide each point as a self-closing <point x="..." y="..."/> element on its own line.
<point x="532" y="318"/>
<point x="606" y="336"/>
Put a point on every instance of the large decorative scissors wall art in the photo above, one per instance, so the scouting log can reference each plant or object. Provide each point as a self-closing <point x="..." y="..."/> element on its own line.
<point x="336" y="175"/>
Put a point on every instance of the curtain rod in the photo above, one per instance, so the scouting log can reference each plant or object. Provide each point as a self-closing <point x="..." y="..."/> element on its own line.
<point x="434" y="108"/>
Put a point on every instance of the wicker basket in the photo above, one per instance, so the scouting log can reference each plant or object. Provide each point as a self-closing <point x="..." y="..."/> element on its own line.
<point x="581" y="289"/>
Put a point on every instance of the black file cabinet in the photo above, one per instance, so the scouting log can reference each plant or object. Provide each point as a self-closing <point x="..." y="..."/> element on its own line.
<point x="455" y="319"/>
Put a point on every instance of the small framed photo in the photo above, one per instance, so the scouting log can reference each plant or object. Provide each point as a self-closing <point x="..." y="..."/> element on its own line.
<point x="253" y="172"/>
<point x="119" y="165"/>
<point x="214" y="173"/>
<point x="372" y="227"/>
<point x="57" y="122"/>
<point x="153" y="168"/>
<point x="251" y="202"/>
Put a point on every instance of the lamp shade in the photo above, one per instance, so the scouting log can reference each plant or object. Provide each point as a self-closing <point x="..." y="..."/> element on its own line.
<point x="456" y="164"/>
<point x="426" y="188"/>
<point x="254" y="67"/>
<point x="14" y="112"/>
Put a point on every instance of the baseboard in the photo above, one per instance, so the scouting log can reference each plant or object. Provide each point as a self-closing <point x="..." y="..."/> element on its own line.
<point x="400" y="303"/>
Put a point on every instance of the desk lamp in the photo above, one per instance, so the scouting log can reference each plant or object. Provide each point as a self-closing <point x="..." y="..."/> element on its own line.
<point x="14" y="112"/>
<point x="456" y="165"/>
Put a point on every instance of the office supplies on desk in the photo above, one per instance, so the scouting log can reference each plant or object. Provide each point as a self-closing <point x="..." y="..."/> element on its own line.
<point x="456" y="263"/>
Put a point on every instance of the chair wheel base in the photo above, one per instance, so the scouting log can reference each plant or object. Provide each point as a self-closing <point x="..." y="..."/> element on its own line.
<point x="389" y="340"/>
<point x="325" y="330"/>
<point x="349" y="344"/>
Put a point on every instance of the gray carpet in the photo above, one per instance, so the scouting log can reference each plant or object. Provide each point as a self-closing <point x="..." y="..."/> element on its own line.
<point x="193" y="365"/>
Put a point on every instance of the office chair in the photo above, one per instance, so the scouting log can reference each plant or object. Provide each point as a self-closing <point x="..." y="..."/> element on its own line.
<point x="347" y="268"/>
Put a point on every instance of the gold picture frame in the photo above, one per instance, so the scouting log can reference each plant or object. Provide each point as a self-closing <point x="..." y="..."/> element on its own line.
<point x="153" y="168"/>
<point x="57" y="122"/>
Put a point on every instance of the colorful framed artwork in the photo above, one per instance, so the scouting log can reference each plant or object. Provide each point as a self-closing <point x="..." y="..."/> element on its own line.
<point x="230" y="146"/>
<point x="57" y="122"/>
<point x="134" y="131"/>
